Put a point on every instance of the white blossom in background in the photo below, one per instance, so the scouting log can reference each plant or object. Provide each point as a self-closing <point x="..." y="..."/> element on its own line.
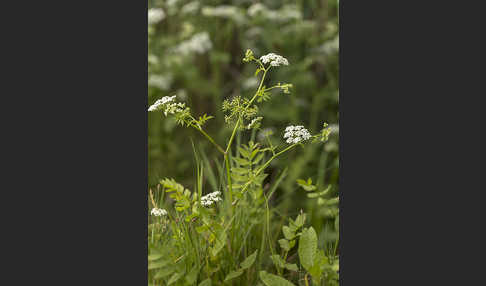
<point x="210" y="198"/>
<point x="160" y="81"/>
<point x="152" y="59"/>
<point x="296" y="134"/>
<point x="224" y="11"/>
<point x="274" y="60"/>
<point x="158" y="212"/>
<point x="264" y="133"/>
<point x="155" y="15"/>
<point x="160" y="102"/>
<point x="286" y="13"/>
<point x="256" y="8"/>
<point x="190" y="7"/>
<point x="249" y="83"/>
<point x="330" y="47"/>
<point x="199" y="43"/>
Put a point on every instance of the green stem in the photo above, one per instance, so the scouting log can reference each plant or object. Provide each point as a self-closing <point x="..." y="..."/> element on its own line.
<point x="230" y="187"/>
<point x="249" y="103"/>
<point x="211" y="140"/>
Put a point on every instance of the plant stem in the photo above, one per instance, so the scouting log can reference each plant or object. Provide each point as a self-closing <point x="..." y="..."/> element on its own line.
<point x="249" y="103"/>
<point x="210" y="139"/>
<point x="230" y="187"/>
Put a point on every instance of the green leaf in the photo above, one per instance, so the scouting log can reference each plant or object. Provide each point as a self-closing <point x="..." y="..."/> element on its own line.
<point x="249" y="260"/>
<point x="288" y="233"/>
<point x="258" y="159"/>
<point x="163" y="273"/>
<point x="233" y="274"/>
<point x="158" y="264"/>
<point x="253" y="154"/>
<point x="244" y="152"/>
<point x="284" y="244"/>
<point x="154" y="256"/>
<point x="274" y="280"/>
<point x="278" y="261"/>
<point x="174" y="278"/>
<point x="319" y="262"/>
<point x="241" y="161"/>
<point x="291" y="267"/>
<point x="300" y="220"/>
<point x="206" y="282"/>
<point x="306" y="185"/>
<point x="220" y="242"/>
<point x="191" y="277"/>
<point x="307" y="247"/>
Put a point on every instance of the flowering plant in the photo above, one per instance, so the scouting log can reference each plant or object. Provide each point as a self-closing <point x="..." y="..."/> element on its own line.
<point x="207" y="233"/>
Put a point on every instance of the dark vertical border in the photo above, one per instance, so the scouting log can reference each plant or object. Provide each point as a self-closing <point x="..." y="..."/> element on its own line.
<point x="77" y="79"/>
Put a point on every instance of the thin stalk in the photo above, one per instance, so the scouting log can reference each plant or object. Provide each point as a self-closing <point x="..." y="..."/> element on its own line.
<point x="230" y="187"/>
<point x="249" y="103"/>
<point x="211" y="140"/>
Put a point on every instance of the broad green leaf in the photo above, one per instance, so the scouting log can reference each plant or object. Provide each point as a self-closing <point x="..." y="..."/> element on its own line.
<point x="158" y="264"/>
<point x="233" y="274"/>
<point x="284" y="244"/>
<point x="292" y="267"/>
<point x="288" y="233"/>
<point x="249" y="260"/>
<point x="274" y="280"/>
<point x="319" y="262"/>
<point x="191" y="277"/>
<point x="206" y="282"/>
<point x="277" y="260"/>
<point x="220" y="242"/>
<point x="174" y="278"/>
<point x="300" y="220"/>
<point x="163" y="273"/>
<point x="307" y="248"/>
<point x="154" y="256"/>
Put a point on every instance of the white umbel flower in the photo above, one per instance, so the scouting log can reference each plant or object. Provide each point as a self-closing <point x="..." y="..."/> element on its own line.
<point x="158" y="212"/>
<point x="296" y="134"/>
<point x="210" y="198"/>
<point x="159" y="103"/>
<point x="274" y="60"/>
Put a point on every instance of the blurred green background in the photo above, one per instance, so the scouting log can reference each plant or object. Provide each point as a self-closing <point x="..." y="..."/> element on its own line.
<point x="196" y="50"/>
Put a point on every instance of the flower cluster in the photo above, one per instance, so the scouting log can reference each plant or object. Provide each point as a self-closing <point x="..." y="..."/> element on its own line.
<point x="159" y="103"/>
<point x="274" y="60"/>
<point x="210" y="198"/>
<point x="155" y="15"/>
<point x="295" y="134"/>
<point x="158" y="212"/>
<point x="168" y="107"/>
<point x="255" y="123"/>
